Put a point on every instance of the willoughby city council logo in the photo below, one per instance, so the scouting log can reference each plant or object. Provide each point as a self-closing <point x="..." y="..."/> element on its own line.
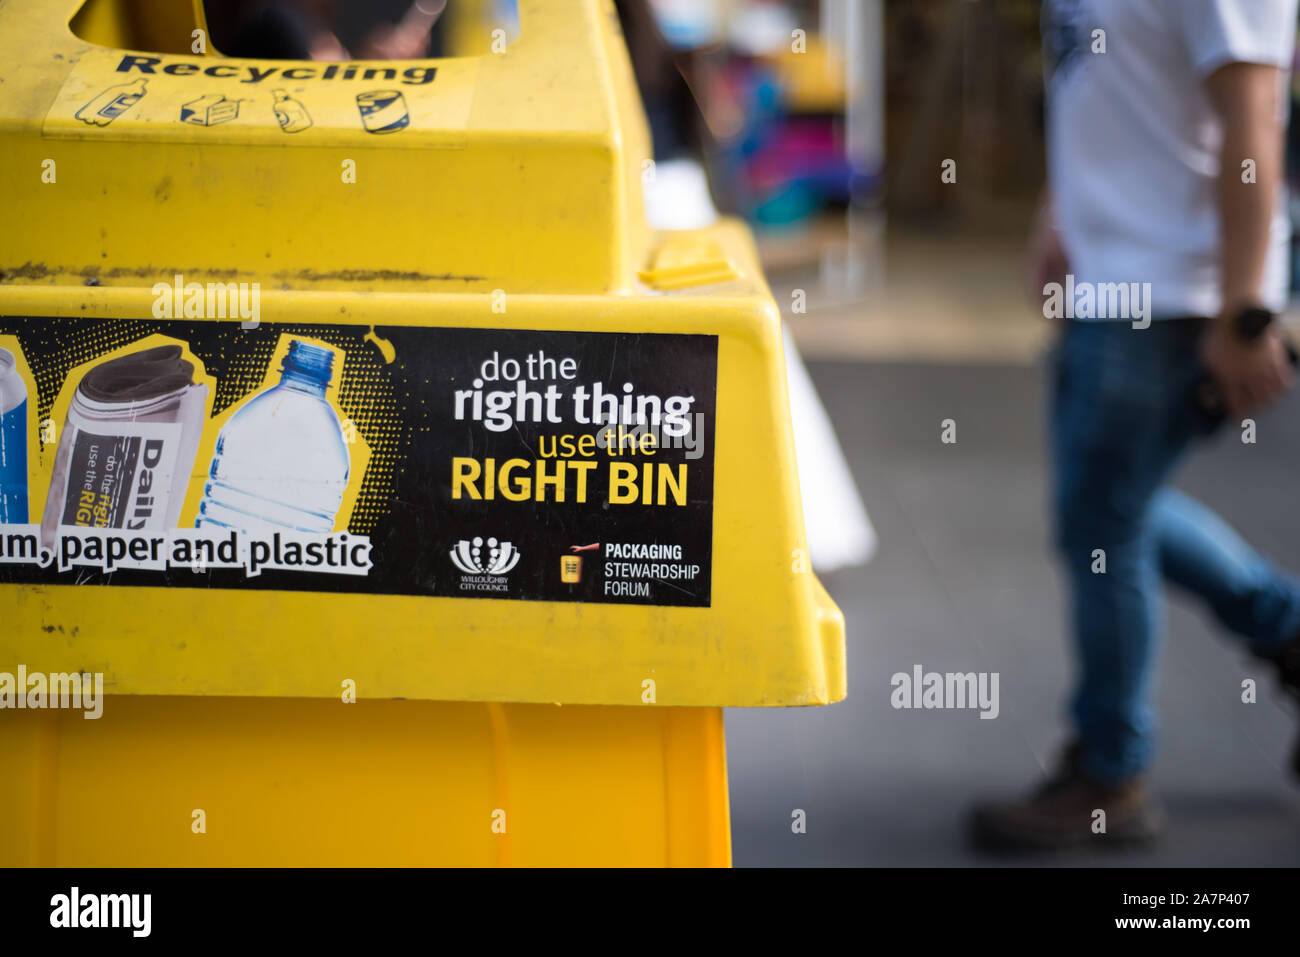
<point x="479" y="556"/>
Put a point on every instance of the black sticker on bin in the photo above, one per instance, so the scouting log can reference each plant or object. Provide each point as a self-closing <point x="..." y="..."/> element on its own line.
<point x="449" y="462"/>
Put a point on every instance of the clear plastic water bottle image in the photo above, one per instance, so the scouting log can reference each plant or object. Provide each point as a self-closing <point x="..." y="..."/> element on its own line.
<point x="281" y="462"/>
<point x="13" y="443"/>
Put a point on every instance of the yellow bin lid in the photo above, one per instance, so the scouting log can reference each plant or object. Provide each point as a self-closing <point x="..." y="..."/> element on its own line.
<point x="371" y="375"/>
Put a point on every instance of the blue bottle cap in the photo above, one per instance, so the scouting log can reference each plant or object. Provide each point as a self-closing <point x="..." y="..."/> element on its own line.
<point x="309" y="362"/>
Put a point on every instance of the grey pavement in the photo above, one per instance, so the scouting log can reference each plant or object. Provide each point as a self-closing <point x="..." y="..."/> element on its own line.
<point x="964" y="581"/>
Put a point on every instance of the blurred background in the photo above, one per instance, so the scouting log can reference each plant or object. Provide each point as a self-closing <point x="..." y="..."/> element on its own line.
<point x="917" y="311"/>
<point x="827" y="124"/>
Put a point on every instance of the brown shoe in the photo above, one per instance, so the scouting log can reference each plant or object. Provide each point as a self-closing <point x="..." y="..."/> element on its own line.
<point x="1287" y="660"/>
<point x="1062" y="814"/>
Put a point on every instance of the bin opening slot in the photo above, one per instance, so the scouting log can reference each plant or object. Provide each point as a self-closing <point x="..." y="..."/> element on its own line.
<point x="336" y="30"/>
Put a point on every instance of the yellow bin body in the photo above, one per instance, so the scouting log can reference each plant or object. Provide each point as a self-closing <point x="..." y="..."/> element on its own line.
<point x="518" y="644"/>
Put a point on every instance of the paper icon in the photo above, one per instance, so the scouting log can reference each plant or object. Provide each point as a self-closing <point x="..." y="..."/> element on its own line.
<point x="210" y="110"/>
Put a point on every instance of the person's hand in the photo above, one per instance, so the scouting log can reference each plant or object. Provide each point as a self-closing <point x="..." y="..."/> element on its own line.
<point x="325" y="46"/>
<point x="388" y="42"/>
<point x="1250" y="375"/>
<point x="1046" y="260"/>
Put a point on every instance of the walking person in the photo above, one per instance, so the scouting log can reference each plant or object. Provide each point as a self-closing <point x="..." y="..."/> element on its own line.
<point x="1166" y="122"/>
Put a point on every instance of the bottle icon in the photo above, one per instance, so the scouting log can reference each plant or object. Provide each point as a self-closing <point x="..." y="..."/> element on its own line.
<point x="13" y="443"/>
<point x="281" y="462"/>
<point x="112" y="103"/>
<point x="289" y="112"/>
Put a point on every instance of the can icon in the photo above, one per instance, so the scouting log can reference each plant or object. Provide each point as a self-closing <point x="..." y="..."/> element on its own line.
<point x="383" y="111"/>
<point x="13" y="443"/>
<point x="571" y="569"/>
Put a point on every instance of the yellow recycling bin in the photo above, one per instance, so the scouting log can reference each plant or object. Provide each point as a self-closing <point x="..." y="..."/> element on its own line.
<point x="375" y="486"/>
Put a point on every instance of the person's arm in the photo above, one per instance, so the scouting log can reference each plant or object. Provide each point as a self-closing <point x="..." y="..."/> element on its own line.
<point x="1246" y="97"/>
<point x="1047" y="261"/>
<point x="409" y="38"/>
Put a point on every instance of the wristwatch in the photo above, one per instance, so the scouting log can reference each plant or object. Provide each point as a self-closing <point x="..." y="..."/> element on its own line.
<point x="1249" y="323"/>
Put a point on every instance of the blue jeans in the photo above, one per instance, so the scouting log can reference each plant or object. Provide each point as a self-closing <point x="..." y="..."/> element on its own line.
<point x="1122" y="417"/>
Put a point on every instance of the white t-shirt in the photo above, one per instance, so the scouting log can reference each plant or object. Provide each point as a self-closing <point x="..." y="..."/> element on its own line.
<point x="1133" y="141"/>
